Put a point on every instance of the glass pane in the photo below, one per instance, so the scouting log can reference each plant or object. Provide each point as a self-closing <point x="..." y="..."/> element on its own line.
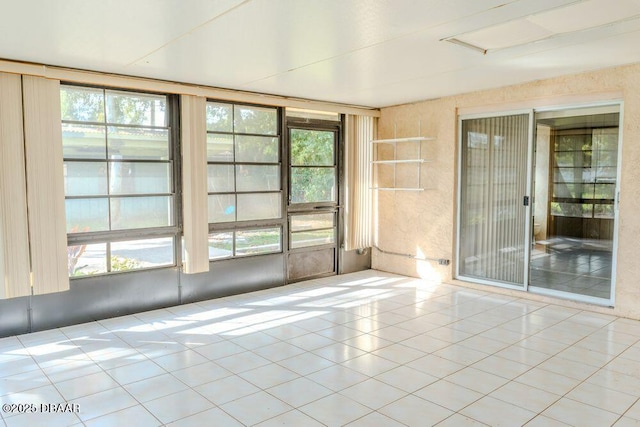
<point x="567" y="175"/>
<point x="311" y="222"/>
<point x="606" y="138"/>
<point x="303" y="239"/>
<point x="128" y="108"/>
<point x="252" y="242"/>
<point x="257" y="178"/>
<point x="87" y="260"/>
<point x="572" y="143"/>
<point x="219" y="148"/>
<point x="605" y="158"/>
<point x="220" y="245"/>
<point x="605" y="191"/>
<point x="219" y="117"/>
<point x="220" y="179"/>
<point x="578" y="210"/>
<point x="83" y="142"/>
<point x="573" y="191"/>
<point x="82" y="104"/>
<point x="312" y="148"/>
<point x="259" y="120"/>
<point x="586" y="191"/>
<point x="257" y="149"/>
<point x="572" y="236"/>
<point x="259" y="206"/>
<point x="312" y="185"/>
<point x="84" y="215"/>
<point x="138" y="144"/>
<point x="139" y="178"/>
<point x="137" y="254"/>
<point x="605" y="174"/>
<point x="577" y="174"/>
<point x="141" y="212"/>
<point x="85" y="178"/>
<point x="603" y="211"/>
<point x="222" y="208"/>
<point x="568" y="159"/>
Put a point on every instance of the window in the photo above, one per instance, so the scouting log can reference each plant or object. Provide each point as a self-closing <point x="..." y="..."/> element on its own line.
<point x="313" y="166"/>
<point x="584" y="173"/>
<point x="244" y="180"/>
<point x="245" y="242"/>
<point x="119" y="180"/>
<point x="312" y="230"/>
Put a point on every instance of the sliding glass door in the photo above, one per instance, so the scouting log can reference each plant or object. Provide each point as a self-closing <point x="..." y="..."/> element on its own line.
<point x="538" y="210"/>
<point x="575" y="188"/>
<point x="493" y="204"/>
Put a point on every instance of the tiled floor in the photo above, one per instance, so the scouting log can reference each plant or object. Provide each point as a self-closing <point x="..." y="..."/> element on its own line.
<point x="365" y="349"/>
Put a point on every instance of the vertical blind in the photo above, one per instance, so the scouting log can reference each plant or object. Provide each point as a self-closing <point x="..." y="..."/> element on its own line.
<point x="358" y="211"/>
<point x="493" y="184"/>
<point x="45" y="184"/>
<point x="194" y="181"/>
<point x="14" y="243"/>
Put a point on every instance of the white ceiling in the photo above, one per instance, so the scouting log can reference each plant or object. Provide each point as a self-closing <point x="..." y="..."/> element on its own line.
<point x="363" y="52"/>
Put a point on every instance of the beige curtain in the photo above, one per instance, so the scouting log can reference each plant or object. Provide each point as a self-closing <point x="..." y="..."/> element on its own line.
<point x="45" y="184"/>
<point x="194" y="184"/>
<point x="14" y="236"/>
<point x="359" y="206"/>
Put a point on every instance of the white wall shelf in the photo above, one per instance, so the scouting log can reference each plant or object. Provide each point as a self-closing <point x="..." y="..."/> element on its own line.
<point x="394" y="161"/>
<point x="397" y="188"/>
<point x="395" y="140"/>
<point x="381" y="162"/>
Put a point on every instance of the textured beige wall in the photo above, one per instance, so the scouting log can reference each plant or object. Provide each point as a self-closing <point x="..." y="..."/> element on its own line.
<point x="423" y="223"/>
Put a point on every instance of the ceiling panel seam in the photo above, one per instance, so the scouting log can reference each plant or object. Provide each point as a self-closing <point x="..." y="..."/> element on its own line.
<point x="186" y="33"/>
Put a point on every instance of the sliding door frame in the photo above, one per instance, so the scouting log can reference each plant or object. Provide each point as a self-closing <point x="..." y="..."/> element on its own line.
<point x="529" y="190"/>
<point x="523" y="286"/>
<point x="610" y="302"/>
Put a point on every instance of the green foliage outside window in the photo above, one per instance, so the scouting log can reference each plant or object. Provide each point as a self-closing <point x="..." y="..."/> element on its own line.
<point x="312" y="171"/>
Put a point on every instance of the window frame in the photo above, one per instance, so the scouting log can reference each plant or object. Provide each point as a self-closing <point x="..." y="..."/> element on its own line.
<point x="295" y="123"/>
